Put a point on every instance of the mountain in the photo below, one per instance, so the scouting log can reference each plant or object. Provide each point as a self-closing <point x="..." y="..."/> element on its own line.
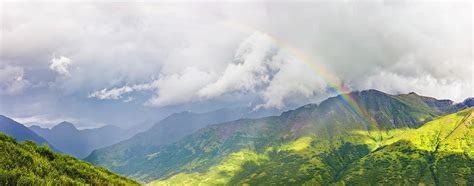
<point x="440" y="152"/>
<point x="313" y="144"/>
<point x="141" y="126"/>
<point x="79" y="143"/>
<point x="27" y="164"/>
<point x="20" y="132"/>
<point x="172" y="129"/>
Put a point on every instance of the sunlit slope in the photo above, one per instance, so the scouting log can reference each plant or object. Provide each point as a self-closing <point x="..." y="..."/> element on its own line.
<point x="26" y="164"/>
<point x="441" y="152"/>
<point x="438" y="152"/>
<point x="313" y="143"/>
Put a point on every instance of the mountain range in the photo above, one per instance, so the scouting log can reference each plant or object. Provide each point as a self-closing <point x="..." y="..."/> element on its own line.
<point x="334" y="142"/>
<point x="80" y="143"/>
<point x="173" y="128"/>
<point x="358" y="138"/>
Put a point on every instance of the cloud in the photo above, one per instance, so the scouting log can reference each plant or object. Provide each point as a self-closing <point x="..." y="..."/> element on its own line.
<point x="114" y="93"/>
<point x="60" y="65"/>
<point x="191" y="54"/>
<point x="411" y="75"/>
<point x="294" y="82"/>
<point x="12" y="80"/>
<point x="425" y="85"/>
<point x="270" y="71"/>
<point x="250" y="68"/>
<point x="259" y="68"/>
<point x="171" y="89"/>
<point x="180" y="88"/>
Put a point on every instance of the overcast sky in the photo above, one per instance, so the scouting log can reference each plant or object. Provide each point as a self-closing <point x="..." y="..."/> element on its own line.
<point x="125" y="63"/>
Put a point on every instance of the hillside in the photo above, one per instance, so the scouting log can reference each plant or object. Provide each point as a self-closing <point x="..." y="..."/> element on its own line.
<point x="27" y="164"/>
<point x="440" y="152"/>
<point x="169" y="130"/>
<point x="20" y="132"/>
<point x="332" y="129"/>
<point x="80" y="143"/>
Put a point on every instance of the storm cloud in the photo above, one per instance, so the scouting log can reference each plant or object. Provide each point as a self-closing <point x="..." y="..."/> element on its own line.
<point x="173" y="56"/>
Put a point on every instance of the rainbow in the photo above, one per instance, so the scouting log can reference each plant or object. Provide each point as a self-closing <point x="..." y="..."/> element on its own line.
<point x="333" y="82"/>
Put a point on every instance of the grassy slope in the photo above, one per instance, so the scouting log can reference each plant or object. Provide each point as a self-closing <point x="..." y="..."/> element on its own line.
<point x="441" y="151"/>
<point x="334" y="130"/>
<point x="27" y="164"/>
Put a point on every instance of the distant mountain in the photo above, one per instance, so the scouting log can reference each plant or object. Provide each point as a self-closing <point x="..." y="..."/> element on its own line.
<point x="314" y="144"/>
<point x="79" y="143"/>
<point x="141" y="126"/>
<point x="178" y="125"/>
<point x="172" y="129"/>
<point x="20" y="132"/>
<point x="234" y="113"/>
<point x="27" y="164"/>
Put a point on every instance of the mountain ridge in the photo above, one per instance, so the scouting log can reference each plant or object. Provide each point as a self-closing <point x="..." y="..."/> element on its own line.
<point x="79" y="143"/>
<point x="175" y="127"/>
<point x="331" y="121"/>
<point x="21" y="132"/>
<point x="304" y="157"/>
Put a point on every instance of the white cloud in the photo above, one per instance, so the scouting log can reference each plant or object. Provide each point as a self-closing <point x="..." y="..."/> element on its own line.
<point x="410" y="74"/>
<point x="12" y="80"/>
<point x="259" y="68"/>
<point x="180" y="88"/>
<point x="425" y="85"/>
<point x="270" y="71"/>
<point x="60" y="65"/>
<point x="117" y="93"/>
<point x="249" y="69"/>
<point x="172" y="89"/>
<point x="114" y="93"/>
<point x="295" y="81"/>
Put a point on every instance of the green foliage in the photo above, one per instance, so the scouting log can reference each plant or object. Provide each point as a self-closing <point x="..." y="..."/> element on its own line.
<point x="439" y="152"/>
<point x="26" y="164"/>
<point x="321" y="144"/>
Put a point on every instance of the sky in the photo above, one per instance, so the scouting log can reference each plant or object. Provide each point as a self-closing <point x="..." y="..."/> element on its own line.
<point x="125" y="63"/>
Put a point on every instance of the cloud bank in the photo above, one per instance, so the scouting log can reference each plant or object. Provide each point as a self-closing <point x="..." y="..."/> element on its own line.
<point x="259" y="67"/>
<point x="167" y="56"/>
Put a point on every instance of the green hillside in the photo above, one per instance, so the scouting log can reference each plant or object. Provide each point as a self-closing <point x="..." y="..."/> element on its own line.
<point x="27" y="164"/>
<point x="312" y="144"/>
<point x="439" y="152"/>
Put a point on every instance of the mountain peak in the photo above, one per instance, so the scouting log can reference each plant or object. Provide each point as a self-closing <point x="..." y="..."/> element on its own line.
<point x="369" y="92"/>
<point x="469" y="102"/>
<point x="64" y="126"/>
